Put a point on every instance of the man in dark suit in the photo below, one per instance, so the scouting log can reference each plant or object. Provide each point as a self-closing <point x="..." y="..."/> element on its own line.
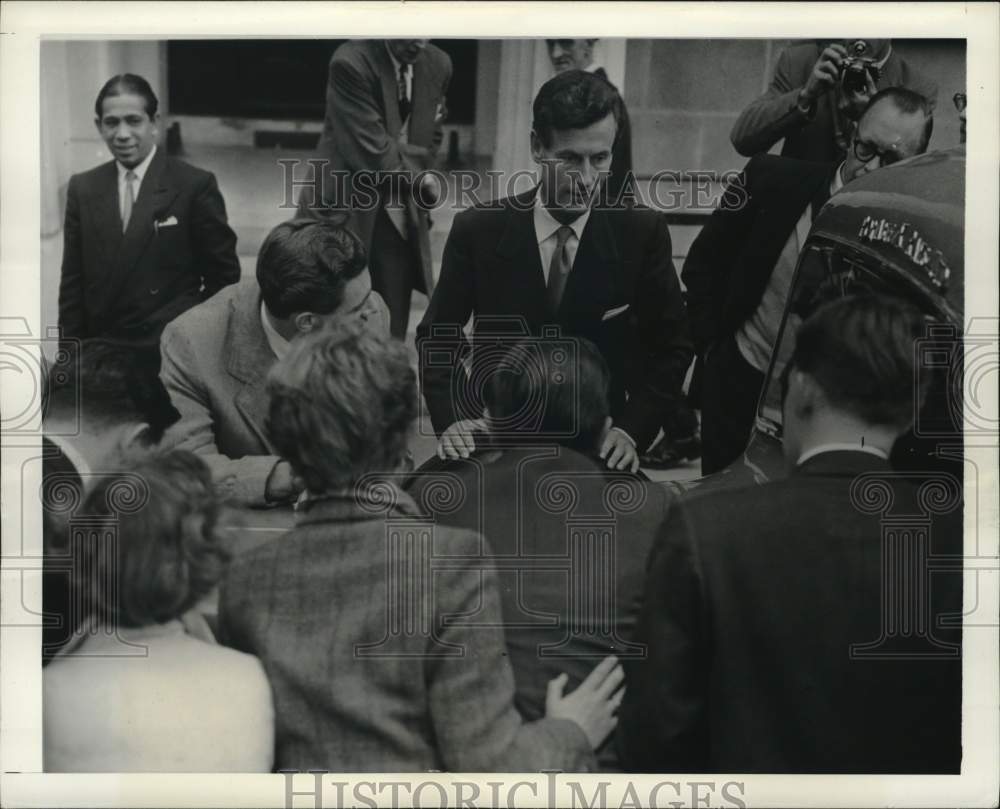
<point x="146" y="235"/>
<point x="796" y="627"/>
<point x="569" y="536"/>
<point x="550" y="258"/>
<point x="104" y="406"/>
<point x="740" y="267"/>
<point x="385" y="103"/>
<point x="813" y="108"/>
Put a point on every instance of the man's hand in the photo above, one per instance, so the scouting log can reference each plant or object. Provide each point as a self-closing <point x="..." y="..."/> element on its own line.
<point x="457" y="440"/>
<point x="619" y="450"/>
<point x="854" y="103"/>
<point x="825" y="75"/>
<point x="594" y="703"/>
<point x="282" y="484"/>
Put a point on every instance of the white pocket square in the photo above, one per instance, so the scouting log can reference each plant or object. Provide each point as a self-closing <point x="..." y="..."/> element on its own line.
<point x="614" y="312"/>
<point x="170" y="221"/>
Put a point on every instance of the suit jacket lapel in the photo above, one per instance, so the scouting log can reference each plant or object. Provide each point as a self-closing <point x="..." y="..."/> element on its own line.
<point x="107" y="213"/>
<point x="423" y="106"/>
<point x="520" y="259"/>
<point x="250" y="358"/>
<point x="390" y="87"/>
<point x="590" y="284"/>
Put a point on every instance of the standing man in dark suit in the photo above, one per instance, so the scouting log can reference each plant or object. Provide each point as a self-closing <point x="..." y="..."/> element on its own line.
<point x="740" y="268"/>
<point x="796" y="627"/>
<point x="146" y="235"/>
<point x="106" y="407"/>
<point x="811" y="104"/>
<point x="550" y="258"/>
<point x="385" y="102"/>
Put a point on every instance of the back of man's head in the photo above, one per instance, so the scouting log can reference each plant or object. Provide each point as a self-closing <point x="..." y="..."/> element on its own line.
<point x="104" y="384"/>
<point x="304" y="265"/>
<point x="550" y="389"/>
<point x="574" y="99"/>
<point x="859" y="353"/>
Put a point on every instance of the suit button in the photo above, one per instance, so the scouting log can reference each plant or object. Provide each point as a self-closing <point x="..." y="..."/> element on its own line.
<point x="154" y="292"/>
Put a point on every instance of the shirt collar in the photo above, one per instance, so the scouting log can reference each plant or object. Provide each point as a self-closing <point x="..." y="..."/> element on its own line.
<point x="140" y="170"/>
<point x="838" y="178"/>
<point x="546" y="224"/>
<point x="72" y="454"/>
<point x="278" y="344"/>
<point x="396" y="64"/>
<point x="818" y="450"/>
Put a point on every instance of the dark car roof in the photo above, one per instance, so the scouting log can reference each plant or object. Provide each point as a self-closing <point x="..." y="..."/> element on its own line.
<point x="911" y="216"/>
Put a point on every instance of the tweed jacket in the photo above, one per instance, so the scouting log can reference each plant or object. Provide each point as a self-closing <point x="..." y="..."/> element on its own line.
<point x="381" y="635"/>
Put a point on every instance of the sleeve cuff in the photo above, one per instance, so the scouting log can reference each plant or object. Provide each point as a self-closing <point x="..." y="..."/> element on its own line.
<point x="632" y="441"/>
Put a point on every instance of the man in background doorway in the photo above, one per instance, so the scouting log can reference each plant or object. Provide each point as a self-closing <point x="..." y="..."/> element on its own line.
<point x="385" y="103"/>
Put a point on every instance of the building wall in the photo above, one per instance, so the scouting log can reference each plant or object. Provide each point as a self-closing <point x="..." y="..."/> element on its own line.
<point x="684" y="95"/>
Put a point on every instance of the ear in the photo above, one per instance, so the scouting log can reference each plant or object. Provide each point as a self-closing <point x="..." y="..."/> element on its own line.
<point x="305" y="322"/>
<point x="135" y="437"/>
<point x="97" y="126"/>
<point x="536" y="147"/>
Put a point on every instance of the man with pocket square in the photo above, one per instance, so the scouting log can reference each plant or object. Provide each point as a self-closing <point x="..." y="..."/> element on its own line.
<point x="146" y="236"/>
<point x="559" y="257"/>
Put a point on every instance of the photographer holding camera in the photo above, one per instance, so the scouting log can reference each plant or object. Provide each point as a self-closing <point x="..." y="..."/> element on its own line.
<point x="817" y="94"/>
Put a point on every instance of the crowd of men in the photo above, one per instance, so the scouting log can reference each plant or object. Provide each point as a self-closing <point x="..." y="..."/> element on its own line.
<point x="525" y="599"/>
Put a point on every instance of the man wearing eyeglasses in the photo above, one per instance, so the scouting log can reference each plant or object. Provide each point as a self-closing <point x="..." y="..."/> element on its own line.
<point x="739" y="270"/>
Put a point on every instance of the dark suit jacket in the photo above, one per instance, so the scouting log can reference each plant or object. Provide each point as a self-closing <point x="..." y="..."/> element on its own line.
<point x="758" y="605"/>
<point x="131" y="285"/>
<point x="492" y="269"/>
<point x="730" y="262"/>
<point x="554" y="578"/>
<point x="362" y="124"/>
<point x="62" y="491"/>
<point x="353" y="695"/>
<point x="775" y="115"/>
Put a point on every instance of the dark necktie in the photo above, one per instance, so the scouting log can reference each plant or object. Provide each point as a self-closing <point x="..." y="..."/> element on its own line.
<point x="559" y="268"/>
<point x="403" y="96"/>
<point x="128" y="200"/>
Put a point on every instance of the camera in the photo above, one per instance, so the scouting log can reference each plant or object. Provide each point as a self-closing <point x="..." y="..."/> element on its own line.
<point x="856" y="68"/>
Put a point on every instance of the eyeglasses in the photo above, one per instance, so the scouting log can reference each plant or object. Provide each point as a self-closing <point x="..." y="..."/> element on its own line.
<point x="960" y="101"/>
<point x="866" y="152"/>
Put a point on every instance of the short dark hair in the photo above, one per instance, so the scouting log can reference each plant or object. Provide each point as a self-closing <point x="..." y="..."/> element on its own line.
<point x="109" y="382"/>
<point x="910" y="102"/>
<point x="343" y="402"/>
<point x="860" y="351"/>
<point x="574" y="100"/>
<point x="304" y="265"/>
<point x="550" y="387"/>
<point x="153" y="549"/>
<point x="131" y="84"/>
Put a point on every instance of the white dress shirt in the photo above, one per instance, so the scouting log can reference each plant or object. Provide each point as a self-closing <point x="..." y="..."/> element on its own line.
<point x="278" y="344"/>
<point x="756" y="337"/>
<point x="821" y="448"/>
<point x="546" y="228"/>
<point x="139" y="172"/>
